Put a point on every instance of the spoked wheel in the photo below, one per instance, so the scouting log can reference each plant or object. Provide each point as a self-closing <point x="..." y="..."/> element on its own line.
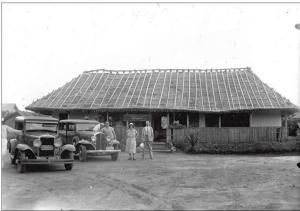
<point x="82" y="153"/>
<point x="20" y="166"/>
<point x="69" y="166"/>
<point x="115" y="156"/>
<point x="12" y="160"/>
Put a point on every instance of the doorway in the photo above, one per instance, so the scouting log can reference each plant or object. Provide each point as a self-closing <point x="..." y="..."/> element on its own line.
<point x="158" y="123"/>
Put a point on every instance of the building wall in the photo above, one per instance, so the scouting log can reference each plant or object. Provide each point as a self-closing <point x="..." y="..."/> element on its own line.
<point x="259" y="118"/>
<point x="266" y="119"/>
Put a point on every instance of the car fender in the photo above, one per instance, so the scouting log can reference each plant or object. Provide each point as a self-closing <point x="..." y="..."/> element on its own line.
<point x="25" y="148"/>
<point x="87" y="144"/>
<point x="12" y="144"/>
<point x="67" y="151"/>
<point x="68" y="147"/>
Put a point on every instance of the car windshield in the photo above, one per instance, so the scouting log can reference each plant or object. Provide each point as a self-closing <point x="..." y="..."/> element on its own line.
<point x="85" y="127"/>
<point x="44" y="126"/>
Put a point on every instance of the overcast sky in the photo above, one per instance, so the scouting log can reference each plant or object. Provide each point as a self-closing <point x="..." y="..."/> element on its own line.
<point x="46" y="45"/>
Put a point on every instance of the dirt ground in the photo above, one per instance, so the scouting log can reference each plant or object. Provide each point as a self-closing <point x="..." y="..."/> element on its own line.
<point x="171" y="181"/>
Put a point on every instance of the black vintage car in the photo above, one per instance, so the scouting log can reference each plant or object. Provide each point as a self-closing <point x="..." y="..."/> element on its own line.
<point x="37" y="142"/>
<point x="80" y="133"/>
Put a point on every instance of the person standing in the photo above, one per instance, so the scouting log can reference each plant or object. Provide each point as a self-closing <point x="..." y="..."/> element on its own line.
<point x="147" y="139"/>
<point x="131" y="135"/>
<point x="98" y="128"/>
<point x="109" y="132"/>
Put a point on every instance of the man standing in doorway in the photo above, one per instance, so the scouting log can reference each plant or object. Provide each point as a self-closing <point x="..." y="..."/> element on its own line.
<point x="147" y="138"/>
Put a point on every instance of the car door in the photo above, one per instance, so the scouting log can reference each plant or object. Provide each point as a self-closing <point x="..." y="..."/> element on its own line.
<point x="71" y="132"/>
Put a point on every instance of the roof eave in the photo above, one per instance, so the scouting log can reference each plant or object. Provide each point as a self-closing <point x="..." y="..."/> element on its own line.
<point x="40" y="109"/>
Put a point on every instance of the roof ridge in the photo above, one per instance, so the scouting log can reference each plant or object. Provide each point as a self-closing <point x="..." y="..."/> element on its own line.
<point x="170" y="70"/>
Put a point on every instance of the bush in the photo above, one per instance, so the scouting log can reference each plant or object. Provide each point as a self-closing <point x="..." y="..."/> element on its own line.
<point x="190" y="142"/>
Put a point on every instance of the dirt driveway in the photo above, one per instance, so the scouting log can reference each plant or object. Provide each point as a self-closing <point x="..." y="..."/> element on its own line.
<point x="170" y="181"/>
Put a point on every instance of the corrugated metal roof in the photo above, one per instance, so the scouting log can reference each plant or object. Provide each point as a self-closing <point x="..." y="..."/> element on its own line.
<point x="214" y="90"/>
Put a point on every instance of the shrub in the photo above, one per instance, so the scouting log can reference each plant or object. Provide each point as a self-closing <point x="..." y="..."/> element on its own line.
<point x="190" y="142"/>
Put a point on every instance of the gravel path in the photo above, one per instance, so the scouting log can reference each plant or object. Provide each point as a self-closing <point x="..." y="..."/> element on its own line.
<point x="170" y="181"/>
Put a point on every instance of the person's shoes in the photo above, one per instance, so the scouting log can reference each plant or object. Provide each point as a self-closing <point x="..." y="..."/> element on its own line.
<point x="134" y="159"/>
<point x="129" y="159"/>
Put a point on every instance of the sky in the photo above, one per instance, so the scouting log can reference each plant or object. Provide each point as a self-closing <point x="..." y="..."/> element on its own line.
<point x="46" y="45"/>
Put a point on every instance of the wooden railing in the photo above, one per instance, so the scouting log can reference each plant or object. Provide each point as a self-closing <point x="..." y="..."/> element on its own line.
<point x="231" y="134"/>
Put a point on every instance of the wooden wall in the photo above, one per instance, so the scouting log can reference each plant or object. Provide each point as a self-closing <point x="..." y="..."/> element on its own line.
<point x="230" y="134"/>
<point x="237" y="140"/>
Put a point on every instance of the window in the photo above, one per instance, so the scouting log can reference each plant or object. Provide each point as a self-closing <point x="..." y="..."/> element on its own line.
<point x="212" y="120"/>
<point x="235" y="120"/>
<point x="194" y="119"/>
<point x="85" y="127"/>
<point x="139" y="123"/>
<point x="63" y="116"/>
<point x="71" y="127"/>
<point x="181" y="117"/>
<point x="62" y="126"/>
<point x="19" y="125"/>
<point x="41" y="126"/>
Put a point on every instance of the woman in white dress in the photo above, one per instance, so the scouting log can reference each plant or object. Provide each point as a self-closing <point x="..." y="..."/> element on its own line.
<point x="131" y="135"/>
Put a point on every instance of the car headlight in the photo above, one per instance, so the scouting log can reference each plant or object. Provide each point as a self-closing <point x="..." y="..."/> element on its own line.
<point x="57" y="142"/>
<point x="93" y="138"/>
<point x="37" y="143"/>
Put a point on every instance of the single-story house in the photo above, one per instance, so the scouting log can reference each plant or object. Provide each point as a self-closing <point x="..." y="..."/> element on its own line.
<point x="9" y="111"/>
<point x="170" y="99"/>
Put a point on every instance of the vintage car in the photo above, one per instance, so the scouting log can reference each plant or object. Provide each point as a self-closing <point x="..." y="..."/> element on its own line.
<point x="87" y="143"/>
<point x="37" y="142"/>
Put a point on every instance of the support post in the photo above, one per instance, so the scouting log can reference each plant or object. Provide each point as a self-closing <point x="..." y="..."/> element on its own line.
<point x="219" y="121"/>
<point x="168" y="129"/>
<point x="106" y="116"/>
<point x="285" y="134"/>
<point x="187" y="120"/>
<point x="173" y="117"/>
<point x="250" y="119"/>
<point x="199" y="119"/>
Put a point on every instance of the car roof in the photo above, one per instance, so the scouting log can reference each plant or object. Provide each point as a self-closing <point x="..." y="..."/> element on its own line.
<point x="39" y="118"/>
<point x="78" y="121"/>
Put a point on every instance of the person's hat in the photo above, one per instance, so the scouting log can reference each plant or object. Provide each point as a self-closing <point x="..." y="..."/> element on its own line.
<point x="131" y="124"/>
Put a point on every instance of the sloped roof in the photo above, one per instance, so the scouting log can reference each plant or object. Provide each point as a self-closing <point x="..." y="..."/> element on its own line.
<point x="295" y="116"/>
<point x="214" y="90"/>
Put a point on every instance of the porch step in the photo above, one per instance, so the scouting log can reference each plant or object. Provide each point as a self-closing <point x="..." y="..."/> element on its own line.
<point x="161" y="150"/>
<point x="160" y="147"/>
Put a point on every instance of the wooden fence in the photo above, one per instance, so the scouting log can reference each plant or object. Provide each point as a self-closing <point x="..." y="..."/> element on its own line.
<point x="231" y="134"/>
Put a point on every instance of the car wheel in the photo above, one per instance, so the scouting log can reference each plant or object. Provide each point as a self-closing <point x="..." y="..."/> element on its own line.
<point x="82" y="153"/>
<point x="12" y="159"/>
<point x="20" y="166"/>
<point x="68" y="166"/>
<point x="115" y="156"/>
<point x="116" y="147"/>
<point x="8" y="147"/>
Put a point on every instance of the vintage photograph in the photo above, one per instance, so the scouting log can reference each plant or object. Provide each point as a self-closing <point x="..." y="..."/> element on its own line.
<point x="150" y="106"/>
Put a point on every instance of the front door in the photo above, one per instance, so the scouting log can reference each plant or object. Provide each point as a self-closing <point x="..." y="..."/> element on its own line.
<point x="159" y="127"/>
